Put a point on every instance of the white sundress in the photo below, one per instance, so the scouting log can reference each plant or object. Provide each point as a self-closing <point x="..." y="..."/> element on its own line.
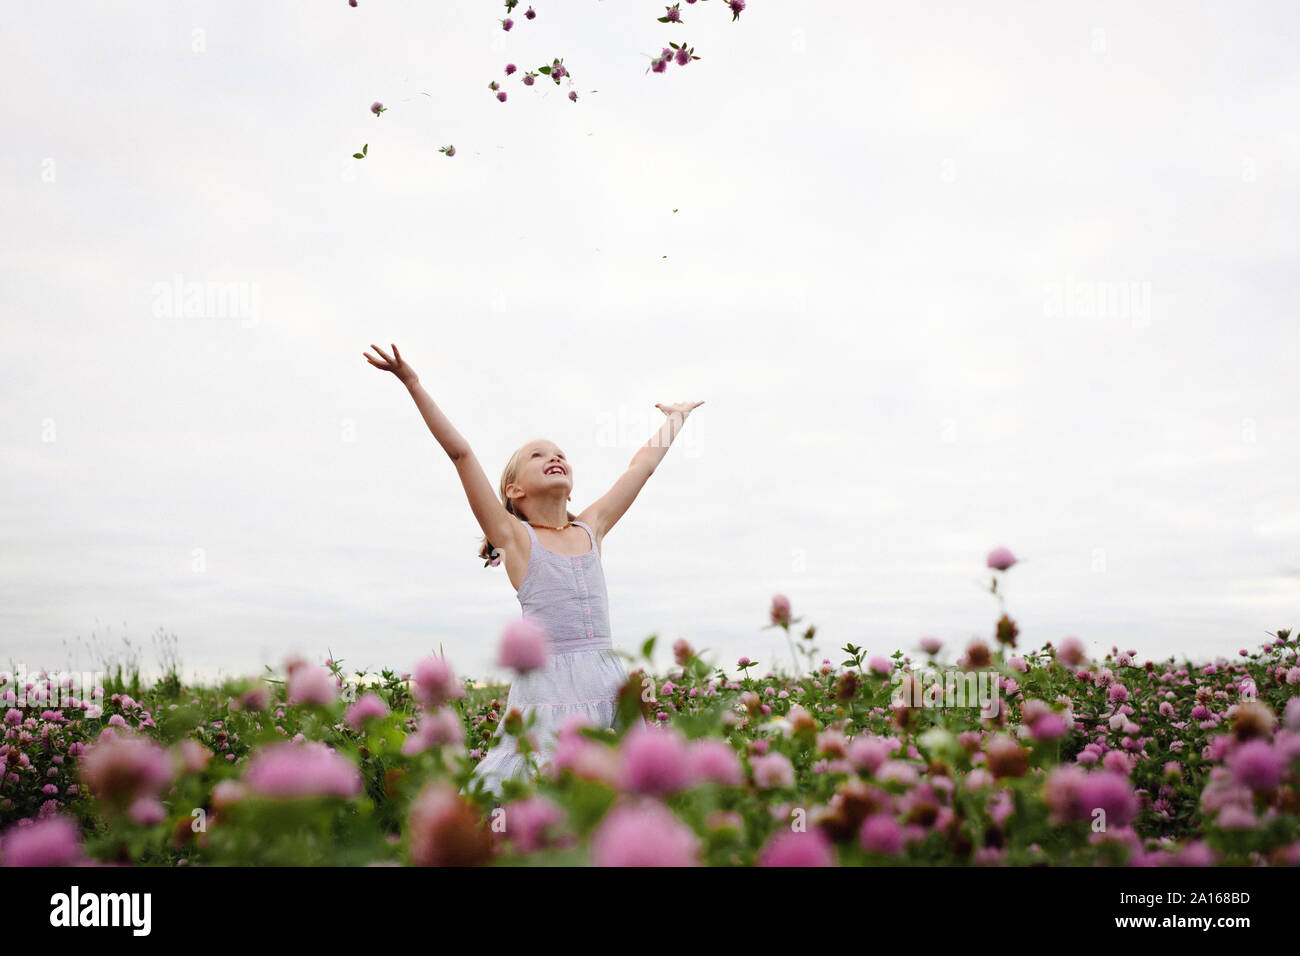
<point x="566" y="596"/>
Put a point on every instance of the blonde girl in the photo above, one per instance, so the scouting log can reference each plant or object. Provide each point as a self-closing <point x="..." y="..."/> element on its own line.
<point x="553" y="563"/>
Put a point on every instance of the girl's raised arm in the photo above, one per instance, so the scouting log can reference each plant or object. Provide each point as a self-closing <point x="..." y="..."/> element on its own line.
<point x="500" y="527"/>
<point x="606" y="510"/>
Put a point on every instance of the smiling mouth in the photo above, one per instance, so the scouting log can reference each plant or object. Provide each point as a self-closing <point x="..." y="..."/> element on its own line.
<point x="555" y="470"/>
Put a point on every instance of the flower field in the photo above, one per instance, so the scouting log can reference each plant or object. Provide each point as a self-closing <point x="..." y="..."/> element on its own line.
<point x="852" y="760"/>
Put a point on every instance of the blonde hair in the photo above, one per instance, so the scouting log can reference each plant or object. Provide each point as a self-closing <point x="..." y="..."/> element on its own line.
<point x="507" y="476"/>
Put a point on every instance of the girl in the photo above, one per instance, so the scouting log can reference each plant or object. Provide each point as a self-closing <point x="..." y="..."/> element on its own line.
<point x="552" y="558"/>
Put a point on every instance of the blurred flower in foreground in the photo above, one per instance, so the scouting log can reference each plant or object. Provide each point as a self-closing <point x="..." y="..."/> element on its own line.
<point x="446" y="830"/>
<point x="531" y="823"/>
<point x="643" y="834"/>
<point x="655" y="762"/>
<point x="369" y="705"/>
<point x="312" y="684"/>
<point x="780" y="609"/>
<point x="308" y="769"/>
<point x="435" y="682"/>
<point x="523" y="646"/>
<point x="123" y="769"/>
<point x="788" y="848"/>
<point x="54" y="841"/>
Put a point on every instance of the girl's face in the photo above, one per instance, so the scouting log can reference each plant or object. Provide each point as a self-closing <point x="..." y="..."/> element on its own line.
<point x="543" y="467"/>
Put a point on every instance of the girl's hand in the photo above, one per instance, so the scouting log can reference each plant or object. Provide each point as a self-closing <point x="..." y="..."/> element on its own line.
<point x="684" y="407"/>
<point x="405" y="374"/>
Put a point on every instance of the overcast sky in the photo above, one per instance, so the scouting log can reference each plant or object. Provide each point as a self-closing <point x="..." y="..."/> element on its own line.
<point x="944" y="278"/>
